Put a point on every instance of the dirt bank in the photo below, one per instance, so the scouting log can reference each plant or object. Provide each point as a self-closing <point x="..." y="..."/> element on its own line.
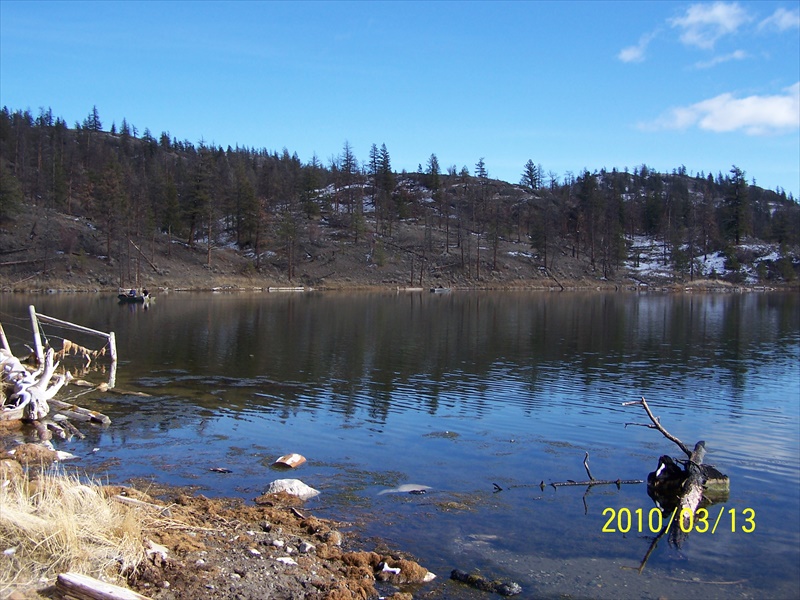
<point x="190" y="546"/>
<point x="73" y="258"/>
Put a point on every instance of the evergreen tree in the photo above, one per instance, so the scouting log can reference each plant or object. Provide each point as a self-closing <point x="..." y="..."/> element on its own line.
<point x="434" y="184"/>
<point x="480" y="169"/>
<point x="92" y="122"/>
<point x="531" y="176"/>
<point x="348" y="169"/>
<point x="384" y="184"/>
<point x="385" y="173"/>
<point x="737" y="206"/>
<point x="432" y="171"/>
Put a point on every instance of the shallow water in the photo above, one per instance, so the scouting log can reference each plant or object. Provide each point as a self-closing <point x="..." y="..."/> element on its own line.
<point x="460" y="392"/>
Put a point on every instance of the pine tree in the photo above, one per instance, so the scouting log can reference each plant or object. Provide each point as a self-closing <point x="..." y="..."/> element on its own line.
<point x="737" y="205"/>
<point x="531" y="176"/>
<point x="480" y="169"/>
<point x="92" y="122"/>
<point x="348" y="168"/>
<point x="432" y="171"/>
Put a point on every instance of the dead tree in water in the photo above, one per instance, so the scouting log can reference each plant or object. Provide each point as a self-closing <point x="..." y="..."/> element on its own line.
<point x="681" y="491"/>
<point x="695" y="480"/>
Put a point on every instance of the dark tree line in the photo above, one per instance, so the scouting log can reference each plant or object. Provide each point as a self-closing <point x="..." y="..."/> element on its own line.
<point x="134" y="186"/>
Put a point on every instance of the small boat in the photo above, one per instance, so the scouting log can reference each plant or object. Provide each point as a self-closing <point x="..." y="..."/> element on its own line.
<point x="133" y="297"/>
<point x="440" y="290"/>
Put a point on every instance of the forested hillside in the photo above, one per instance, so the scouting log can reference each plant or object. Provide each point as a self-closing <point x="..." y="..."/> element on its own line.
<point x="71" y="196"/>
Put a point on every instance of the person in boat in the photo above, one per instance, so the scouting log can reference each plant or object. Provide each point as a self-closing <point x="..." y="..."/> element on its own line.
<point x="132" y="293"/>
<point x="145" y="293"/>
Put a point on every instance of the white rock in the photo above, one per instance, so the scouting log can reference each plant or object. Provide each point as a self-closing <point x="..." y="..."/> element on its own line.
<point x="153" y="549"/>
<point x="286" y="560"/>
<point x="306" y="547"/>
<point x="387" y="569"/>
<point x="294" y="487"/>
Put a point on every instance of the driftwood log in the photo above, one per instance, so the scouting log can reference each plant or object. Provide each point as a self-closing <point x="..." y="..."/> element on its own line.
<point x="83" y="587"/>
<point x="29" y="395"/>
<point x="32" y="391"/>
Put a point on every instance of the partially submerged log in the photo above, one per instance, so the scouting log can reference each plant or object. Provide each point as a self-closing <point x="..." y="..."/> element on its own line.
<point x="692" y="493"/>
<point x="77" y="413"/>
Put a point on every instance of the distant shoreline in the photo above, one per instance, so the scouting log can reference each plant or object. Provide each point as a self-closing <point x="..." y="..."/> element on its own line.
<point x="705" y="286"/>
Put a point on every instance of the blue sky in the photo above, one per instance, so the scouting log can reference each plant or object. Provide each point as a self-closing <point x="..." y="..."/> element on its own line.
<point x="570" y="85"/>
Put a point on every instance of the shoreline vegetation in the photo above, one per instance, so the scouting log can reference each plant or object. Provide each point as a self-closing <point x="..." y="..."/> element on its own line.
<point x="177" y="545"/>
<point x="226" y="286"/>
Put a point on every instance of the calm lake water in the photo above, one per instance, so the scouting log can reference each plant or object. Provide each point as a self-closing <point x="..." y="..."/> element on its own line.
<point x="460" y="392"/>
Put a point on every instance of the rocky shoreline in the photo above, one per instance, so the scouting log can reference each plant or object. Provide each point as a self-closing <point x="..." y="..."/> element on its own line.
<point x="191" y="546"/>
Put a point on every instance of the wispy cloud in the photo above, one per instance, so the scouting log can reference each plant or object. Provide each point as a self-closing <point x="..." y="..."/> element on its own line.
<point x="636" y="53"/>
<point x="754" y="115"/>
<point x="703" y="24"/>
<point x="781" y="20"/>
<point x="707" y="64"/>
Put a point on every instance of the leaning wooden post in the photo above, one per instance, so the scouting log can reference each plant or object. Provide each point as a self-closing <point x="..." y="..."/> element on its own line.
<point x="37" y="339"/>
<point x="4" y="339"/>
<point x="112" y="345"/>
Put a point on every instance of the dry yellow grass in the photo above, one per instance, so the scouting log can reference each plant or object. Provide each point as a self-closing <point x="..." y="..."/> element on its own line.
<point x="55" y="524"/>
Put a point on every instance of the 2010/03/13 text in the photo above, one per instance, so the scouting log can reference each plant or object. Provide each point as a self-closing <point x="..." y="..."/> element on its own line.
<point x="625" y="520"/>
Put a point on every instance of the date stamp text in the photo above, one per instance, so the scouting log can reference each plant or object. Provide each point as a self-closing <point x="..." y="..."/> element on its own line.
<point x="625" y="520"/>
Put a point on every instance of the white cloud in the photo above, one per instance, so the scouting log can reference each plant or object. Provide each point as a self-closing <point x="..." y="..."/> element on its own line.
<point x="755" y="115"/>
<point x="782" y="20"/>
<point x="737" y="55"/>
<point x="703" y="24"/>
<point x="636" y="53"/>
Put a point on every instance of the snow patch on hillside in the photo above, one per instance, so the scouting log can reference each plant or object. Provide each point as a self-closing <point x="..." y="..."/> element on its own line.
<point x="647" y="261"/>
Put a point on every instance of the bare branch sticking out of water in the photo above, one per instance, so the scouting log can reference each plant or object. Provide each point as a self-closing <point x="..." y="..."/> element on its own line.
<point x="592" y="481"/>
<point x="656" y="425"/>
